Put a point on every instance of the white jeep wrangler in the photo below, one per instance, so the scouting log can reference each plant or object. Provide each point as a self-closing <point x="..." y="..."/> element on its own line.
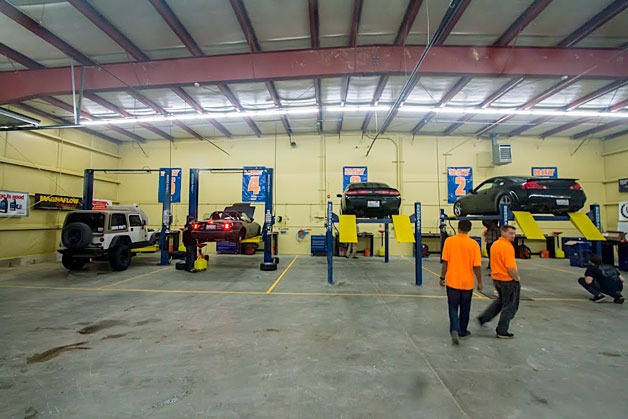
<point x="103" y="235"/>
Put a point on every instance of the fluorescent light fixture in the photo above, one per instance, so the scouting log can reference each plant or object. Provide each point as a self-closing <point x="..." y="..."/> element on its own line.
<point x="406" y="109"/>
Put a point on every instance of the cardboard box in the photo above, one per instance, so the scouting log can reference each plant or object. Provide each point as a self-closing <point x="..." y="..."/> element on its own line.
<point x="615" y="235"/>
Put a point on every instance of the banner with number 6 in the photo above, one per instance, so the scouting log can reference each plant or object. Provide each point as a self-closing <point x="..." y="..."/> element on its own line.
<point x="459" y="182"/>
<point x="253" y="184"/>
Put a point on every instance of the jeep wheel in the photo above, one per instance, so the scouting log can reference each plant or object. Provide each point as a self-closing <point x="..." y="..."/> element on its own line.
<point x="71" y="263"/>
<point x="120" y="257"/>
<point x="76" y="235"/>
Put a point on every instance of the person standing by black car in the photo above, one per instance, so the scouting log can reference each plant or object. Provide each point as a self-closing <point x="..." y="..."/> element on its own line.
<point x="190" y="246"/>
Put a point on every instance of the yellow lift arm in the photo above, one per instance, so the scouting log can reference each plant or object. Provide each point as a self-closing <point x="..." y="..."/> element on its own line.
<point x="528" y="225"/>
<point x="348" y="229"/>
<point x="403" y="228"/>
<point x="585" y="226"/>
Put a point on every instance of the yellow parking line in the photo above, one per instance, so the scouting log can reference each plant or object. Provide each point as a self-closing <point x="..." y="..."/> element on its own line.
<point x="552" y="268"/>
<point x="132" y="278"/>
<point x="272" y="287"/>
<point x="357" y="294"/>
<point x="39" y="287"/>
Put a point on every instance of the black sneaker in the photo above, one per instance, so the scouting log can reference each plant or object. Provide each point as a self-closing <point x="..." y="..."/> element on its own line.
<point x="506" y="335"/>
<point x="480" y="322"/>
<point x="454" y="338"/>
<point x="619" y="300"/>
<point x="598" y="298"/>
<point x="464" y="334"/>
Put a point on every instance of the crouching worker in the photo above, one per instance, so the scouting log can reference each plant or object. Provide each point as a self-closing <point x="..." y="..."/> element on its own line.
<point x="600" y="279"/>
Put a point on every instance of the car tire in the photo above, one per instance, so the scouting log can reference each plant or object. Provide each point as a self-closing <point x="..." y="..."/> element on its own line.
<point x="76" y="235"/>
<point x="504" y="199"/>
<point x="120" y="257"/>
<point x="72" y="263"/>
<point x="458" y="210"/>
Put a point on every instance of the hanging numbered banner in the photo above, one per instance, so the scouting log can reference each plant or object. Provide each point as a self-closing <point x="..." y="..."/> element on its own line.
<point x="459" y="182"/>
<point x="551" y="172"/>
<point x="175" y="184"/>
<point x="354" y="174"/>
<point x="254" y="185"/>
<point x="13" y="204"/>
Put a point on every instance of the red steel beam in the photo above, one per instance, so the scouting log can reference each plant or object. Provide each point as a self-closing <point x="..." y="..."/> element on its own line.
<point x="594" y="23"/>
<point x="376" y="95"/>
<point x="619" y="106"/>
<point x="522" y="22"/>
<point x="461" y="6"/>
<point x="573" y="105"/>
<point x="12" y="54"/>
<point x="177" y="27"/>
<point x="245" y="24"/>
<point x="564" y="127"/>
<point x="460" y="84"/>
<point x="220" y="127"/>
<point x="314" y="23"/>
<point x="21" y="18"/>
<point x="615" y="135"/>
<point x="344" y="90"/>
<point x="107" y="27"/>
<point x="355" y="23"/>
<point x="236" y="104"/>
<point x="525" y="127"/>
<point x="593" y="95"/>
<point x="408" y="20"/>
<point x="511" y="84"/>
<point x="39" y="112"/>
<point x="599" y="128"/>
<point x="529" y="104"/>
<point x="326" y="62"/>
<point x="188" y="99"/>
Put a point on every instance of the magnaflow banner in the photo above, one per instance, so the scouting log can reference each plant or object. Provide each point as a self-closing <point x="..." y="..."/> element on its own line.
<point x="13" y="204"/>
<point x="57" y="202"/>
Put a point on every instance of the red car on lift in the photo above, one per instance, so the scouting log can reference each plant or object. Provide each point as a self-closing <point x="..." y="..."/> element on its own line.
<point x="234" y="224"/>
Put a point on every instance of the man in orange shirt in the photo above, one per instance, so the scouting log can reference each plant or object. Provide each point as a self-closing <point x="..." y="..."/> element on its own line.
<point x="461" y="260"/>
<point x="506" y="279"/>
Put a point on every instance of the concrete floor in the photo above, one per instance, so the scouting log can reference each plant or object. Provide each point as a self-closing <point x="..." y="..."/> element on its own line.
<point x="155" y="342"/>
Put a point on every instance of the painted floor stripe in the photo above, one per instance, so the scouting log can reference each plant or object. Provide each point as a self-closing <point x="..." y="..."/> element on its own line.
<point x="134" y="277"/>
<point x="272" y="287"/>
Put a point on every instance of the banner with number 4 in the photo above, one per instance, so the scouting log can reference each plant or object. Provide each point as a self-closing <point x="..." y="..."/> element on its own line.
<point x="253" y="184"/>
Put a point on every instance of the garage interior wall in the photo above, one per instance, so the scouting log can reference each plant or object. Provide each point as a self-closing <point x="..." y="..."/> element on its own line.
<point x="48" y="162"/>
<point x="310" y="173"/>
<point x="615" y="167"/>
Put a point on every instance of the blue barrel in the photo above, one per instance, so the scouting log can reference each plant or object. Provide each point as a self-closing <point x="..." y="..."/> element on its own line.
<point x="579" y="254"/>
<point x="622" y="255"/>
<point x="477" y="239"/>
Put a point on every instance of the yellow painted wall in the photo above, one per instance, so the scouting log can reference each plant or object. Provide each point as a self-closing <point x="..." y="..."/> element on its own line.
<point x="50" y="162"/>
<point x="615" y="167"/>
<point x="307" y="175"/>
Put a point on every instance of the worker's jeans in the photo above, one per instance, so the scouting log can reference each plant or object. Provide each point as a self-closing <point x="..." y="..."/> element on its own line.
<point x="596" y="289"/>
<point x="507" y="303"/>
<point x="190" y="256"/>
<point x="459" y="302"/>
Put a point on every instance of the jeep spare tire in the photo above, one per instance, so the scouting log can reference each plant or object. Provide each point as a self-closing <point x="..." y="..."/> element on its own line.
<point x="120" y="257"/>
<point x="76" y="235"/>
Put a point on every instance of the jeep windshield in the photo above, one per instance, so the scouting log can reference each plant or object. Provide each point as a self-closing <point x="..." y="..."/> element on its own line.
<point x="95" y="220"/>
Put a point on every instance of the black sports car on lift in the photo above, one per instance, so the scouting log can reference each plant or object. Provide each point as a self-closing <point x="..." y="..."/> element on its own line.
<point x="536" y="195"/>
<point x="370" y="199"/>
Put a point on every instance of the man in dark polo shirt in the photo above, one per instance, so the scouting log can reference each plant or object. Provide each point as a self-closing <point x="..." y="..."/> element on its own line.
<point x="600" y="279"/>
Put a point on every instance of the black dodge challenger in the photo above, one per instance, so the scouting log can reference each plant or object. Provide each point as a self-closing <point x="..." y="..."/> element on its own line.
<point x="533" y="194"/>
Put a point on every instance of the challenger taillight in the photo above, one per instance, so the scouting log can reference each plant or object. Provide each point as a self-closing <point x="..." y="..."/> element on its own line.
<point x="227" y="226"/>
<point x="357" y="192"/>
<point x="576" y="186"/>
<point x="391" y="192"/>
<point x="531" y="184"/>
<point x="196" y="226"/>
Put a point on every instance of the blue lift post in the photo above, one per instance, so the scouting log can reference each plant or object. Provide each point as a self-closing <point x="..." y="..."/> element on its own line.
<point x="270" y="262"/>
<point x="88" y="197"/>
<point x="416" y="219"/>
